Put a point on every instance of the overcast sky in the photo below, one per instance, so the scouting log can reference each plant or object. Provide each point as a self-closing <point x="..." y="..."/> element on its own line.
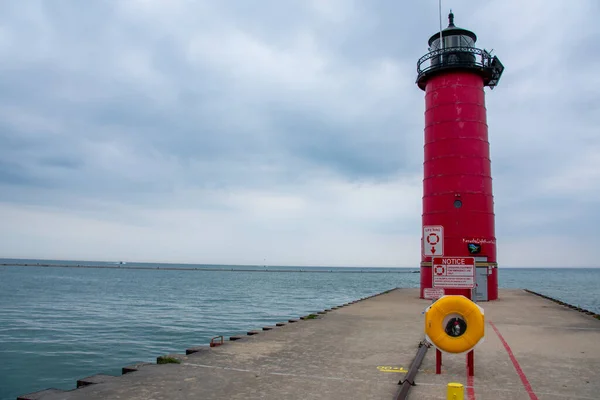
<point x="282" y="131"/>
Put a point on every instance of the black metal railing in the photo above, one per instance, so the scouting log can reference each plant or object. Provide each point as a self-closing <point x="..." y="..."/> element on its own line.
<point x="465" y="57"/>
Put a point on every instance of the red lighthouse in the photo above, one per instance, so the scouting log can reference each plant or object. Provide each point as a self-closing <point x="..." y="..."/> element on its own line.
<point x="458" y="205"/>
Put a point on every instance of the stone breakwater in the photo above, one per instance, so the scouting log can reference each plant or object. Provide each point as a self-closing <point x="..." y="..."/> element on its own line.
<point x="217" y="341"/>
<point x="562" y="303"/>
<point x="534" y="348"/>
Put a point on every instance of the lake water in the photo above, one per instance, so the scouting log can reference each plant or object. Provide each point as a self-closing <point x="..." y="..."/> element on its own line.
<point x="60" y="324"/>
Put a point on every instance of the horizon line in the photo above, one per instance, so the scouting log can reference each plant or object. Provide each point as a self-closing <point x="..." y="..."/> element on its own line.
<point x="266" y="265"/>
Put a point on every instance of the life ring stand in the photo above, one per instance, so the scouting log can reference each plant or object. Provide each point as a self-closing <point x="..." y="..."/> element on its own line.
<point x="454" y="324"/>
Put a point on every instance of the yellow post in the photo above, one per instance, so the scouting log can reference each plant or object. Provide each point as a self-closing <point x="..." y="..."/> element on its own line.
<point x="456" y="391"/>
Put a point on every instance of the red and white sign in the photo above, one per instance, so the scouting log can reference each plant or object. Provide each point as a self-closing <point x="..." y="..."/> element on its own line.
<point x="454" y="272"/>
<point x="433" y="293"/>
<point x="433" y="240"/>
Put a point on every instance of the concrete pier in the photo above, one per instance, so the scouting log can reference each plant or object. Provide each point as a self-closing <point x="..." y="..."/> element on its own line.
<point x="534" y="349"/>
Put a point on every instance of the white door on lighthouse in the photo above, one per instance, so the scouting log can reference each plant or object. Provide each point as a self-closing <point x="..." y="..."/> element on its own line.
<point x="481" y="284"/>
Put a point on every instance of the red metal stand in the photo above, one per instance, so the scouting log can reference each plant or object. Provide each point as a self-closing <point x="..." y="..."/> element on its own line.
<point x="471" y="354"/>
<point x="471" y="363"/>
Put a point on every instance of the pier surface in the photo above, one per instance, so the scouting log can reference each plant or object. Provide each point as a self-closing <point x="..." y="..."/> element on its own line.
<point x="533" y="349"/>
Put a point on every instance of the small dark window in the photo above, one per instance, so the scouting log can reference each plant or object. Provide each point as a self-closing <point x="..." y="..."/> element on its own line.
<point x="457" y="203"/>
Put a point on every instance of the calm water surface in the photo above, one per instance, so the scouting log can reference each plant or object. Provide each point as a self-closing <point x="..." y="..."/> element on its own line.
<point x="61" y="324"/>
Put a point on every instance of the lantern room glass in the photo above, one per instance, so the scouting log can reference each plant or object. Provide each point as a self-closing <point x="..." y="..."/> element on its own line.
<point x="453" y="41"/>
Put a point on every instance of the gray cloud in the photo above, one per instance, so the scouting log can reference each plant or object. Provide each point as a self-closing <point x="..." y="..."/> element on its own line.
<point x="268" y="123"/>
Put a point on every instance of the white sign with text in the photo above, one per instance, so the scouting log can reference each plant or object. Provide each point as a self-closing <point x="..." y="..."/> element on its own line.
<point x="433" y="240"/>
<point x="454" y="272"/>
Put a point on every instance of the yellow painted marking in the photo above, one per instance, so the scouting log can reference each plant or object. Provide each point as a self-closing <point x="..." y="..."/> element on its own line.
<point x="385" y="368"/>
<point x="392" y="369"/>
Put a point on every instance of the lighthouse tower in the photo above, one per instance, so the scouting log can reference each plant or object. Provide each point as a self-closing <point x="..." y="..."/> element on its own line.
<point x="458" y="205"/>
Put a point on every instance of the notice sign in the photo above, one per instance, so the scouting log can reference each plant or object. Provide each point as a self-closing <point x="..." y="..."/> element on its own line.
<point x="454" y="272"/>
<point x="433" y="293"/>
<point x="433" y="240"/>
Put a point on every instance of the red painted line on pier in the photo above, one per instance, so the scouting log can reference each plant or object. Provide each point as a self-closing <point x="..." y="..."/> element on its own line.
<point x="470" y="386"/>
<point x="528" y="388"/>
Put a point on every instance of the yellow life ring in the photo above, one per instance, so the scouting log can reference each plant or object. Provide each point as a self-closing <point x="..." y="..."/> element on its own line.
<point x="454" y="324"/>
